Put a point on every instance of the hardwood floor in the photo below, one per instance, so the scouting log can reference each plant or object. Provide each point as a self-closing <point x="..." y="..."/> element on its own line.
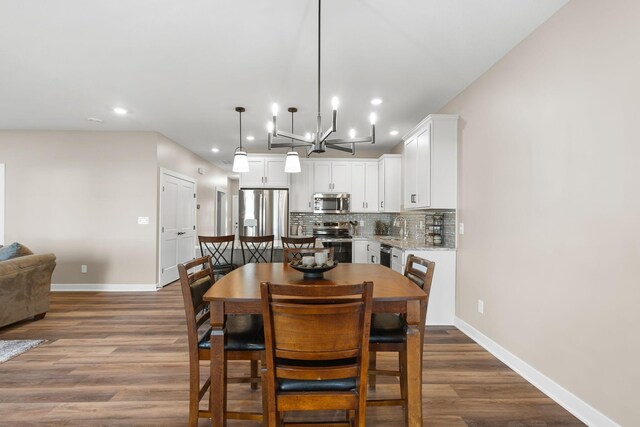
<point x="121" y="359"/>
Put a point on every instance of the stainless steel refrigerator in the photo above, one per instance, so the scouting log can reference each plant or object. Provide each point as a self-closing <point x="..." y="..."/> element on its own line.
<point x="263" y="212"/>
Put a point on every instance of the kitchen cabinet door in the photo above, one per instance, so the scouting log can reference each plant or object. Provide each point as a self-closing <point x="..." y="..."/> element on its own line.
<point x="255" y="177"/>
<point x="423" y="170"/>
<point x="301" y="194"/>
<point x="373" y="252"/>
<point x="274" y="174"/>
<point x="390" y="183"/>
<point x="410" y="164"/>
<point x="340" y="177"/>
<point x="322" y="177"/>
<point x="370" y="187"/>
<point x="358" y="184"/>
<point x="360" y="251"/>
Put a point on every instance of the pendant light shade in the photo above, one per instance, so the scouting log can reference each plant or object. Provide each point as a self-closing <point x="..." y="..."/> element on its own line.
<point x="240" y="160"/>
<point x="292" y="164"/>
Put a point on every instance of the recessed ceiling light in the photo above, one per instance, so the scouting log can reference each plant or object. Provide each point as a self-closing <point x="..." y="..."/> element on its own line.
<point x="393" y="133"/>
<point x="250" y="138"/>
<point x="94" y="119"/>
<point x="215" y="150"/>
<point x="376" y="101"/>
<point x="119" y="110"/>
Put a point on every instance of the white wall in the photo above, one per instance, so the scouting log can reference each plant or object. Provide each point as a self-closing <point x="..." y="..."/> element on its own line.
<point x="1" y="203"/>
<point x="548" y="191"/>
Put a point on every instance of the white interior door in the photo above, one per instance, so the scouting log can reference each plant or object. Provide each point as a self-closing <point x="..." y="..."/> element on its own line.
<point x="234" y="215"/>
<point x="177" y="228"/>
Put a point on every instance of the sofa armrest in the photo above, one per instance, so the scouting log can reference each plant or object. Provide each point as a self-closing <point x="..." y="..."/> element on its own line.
<point x="25" y="284"/>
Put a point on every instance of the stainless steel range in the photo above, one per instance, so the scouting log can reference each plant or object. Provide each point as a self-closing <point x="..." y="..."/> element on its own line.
<point x="336" y="235"/>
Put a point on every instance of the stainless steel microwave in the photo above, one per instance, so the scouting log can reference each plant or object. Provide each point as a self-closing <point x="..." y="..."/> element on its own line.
<point x="331" y="203"/>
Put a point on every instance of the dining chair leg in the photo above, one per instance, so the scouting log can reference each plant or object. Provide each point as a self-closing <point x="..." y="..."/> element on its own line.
<point x="402" y="361"/>
<point x="372" y="367"/>
<point x="254" y="374"/>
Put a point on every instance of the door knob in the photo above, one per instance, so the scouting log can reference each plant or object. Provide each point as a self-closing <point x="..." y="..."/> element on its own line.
<point x="180" y="233"/>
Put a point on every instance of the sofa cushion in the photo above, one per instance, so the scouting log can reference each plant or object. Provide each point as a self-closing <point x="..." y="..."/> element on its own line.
<point x="14" y="250"/>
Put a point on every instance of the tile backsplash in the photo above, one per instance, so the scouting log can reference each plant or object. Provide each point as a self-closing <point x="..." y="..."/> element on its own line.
<point x="417" y="222"/>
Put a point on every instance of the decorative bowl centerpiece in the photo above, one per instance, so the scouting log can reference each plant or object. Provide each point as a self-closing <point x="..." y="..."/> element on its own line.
<point x="313" y="271"/>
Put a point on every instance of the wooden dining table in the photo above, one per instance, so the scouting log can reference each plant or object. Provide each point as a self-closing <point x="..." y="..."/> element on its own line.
<point x="239" y="293"/>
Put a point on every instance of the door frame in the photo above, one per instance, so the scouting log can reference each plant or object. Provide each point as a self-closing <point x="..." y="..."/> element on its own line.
<point x="2" y="202"/>
<point x="161" y="173"/>
<point x="216" y="208"/>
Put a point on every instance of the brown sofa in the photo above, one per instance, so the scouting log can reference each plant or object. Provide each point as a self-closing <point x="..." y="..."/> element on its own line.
<point x="25" y="283"/>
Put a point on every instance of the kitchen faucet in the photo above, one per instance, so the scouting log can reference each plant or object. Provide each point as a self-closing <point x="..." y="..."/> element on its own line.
<point x="405" y="233"/>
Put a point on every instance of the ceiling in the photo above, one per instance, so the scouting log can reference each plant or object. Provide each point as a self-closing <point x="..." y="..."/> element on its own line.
<point x="180" y="68"/>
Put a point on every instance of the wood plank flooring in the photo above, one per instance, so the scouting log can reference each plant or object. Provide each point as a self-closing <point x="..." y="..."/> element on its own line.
<point x="121" y="359"/>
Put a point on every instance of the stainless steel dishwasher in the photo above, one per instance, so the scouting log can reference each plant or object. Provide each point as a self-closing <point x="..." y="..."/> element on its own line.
<point x="385" y="255"/>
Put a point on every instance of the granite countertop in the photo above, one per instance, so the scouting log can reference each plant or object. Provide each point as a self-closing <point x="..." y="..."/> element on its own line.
<point x="405" y="244"/>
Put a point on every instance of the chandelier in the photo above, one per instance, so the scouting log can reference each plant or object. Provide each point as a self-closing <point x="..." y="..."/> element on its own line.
<point x="318" y="142"/>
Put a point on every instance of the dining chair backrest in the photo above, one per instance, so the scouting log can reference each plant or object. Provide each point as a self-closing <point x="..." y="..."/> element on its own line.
<point x="258" y="248"/>
<point x="315" y="322"/>
<point x="194" y="284"/>
<point x="420" y="271"/>
<point x="297" y="242"/>
<point x="316" y="341"/>
<point x="220" y="249"/>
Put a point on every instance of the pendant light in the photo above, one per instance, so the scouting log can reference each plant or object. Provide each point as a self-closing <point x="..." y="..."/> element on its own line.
<point x="240" y="160"/>
<point x="292" y="164"/>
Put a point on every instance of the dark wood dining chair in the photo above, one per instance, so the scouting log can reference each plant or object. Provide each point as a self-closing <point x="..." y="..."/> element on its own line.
<point x="220" y="249"/>
<point x="245" y="337"/>
<point x="297" y="243"/>
<point x="316" y="339"/>
<point x="388" y="332"/>
<point x="258" y="248"/>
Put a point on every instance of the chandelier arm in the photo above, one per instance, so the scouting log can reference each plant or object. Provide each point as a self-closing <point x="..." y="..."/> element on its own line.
<point x="326" y="134"/>
<point x="292" y="136"/>
<point x="290" y="145"/>
<point x="340" y="148"/>
<point x="350" y="140"/>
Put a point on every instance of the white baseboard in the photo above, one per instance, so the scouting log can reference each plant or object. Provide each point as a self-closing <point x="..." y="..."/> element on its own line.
<point x="103" y="287"/>
<point x="576" y="406"/>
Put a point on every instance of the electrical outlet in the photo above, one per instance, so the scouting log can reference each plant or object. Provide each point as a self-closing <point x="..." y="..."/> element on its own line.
<point x="421" y="225"/>
<point x="480" y="306"/>
<point x="83" y="268"/>
<point x="461" y="228"/>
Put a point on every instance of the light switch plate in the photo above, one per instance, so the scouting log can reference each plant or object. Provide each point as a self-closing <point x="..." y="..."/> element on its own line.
<point x="143" y="220"/>
<point x="461" y="228"/>
<point x="83" y="268"/>
<point x="480" y="306"/>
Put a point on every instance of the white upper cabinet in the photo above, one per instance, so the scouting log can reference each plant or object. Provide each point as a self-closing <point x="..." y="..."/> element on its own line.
<point x="389" y="183"/>
<point x="265" y="172"/>
<point x="301" y="194"/>
<point x="364" y="186"/>
<point x="430" y="163"/>
<point x="331" y="176"/>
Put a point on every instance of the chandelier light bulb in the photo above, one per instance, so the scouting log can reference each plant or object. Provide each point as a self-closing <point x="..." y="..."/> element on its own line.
<point x="307" y="136"/>
<point x="335" y="102"/>
<point x="274" y="109"/>
<point x="373" y="118"/>
<point x="352" y="133"/>
<point x="270" y="127"/>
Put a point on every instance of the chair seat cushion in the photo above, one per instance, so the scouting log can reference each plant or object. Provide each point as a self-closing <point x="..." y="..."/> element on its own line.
<point x="343" y="384"/>
<point x="387" y="328"/>
<point x="244" y="332"/>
